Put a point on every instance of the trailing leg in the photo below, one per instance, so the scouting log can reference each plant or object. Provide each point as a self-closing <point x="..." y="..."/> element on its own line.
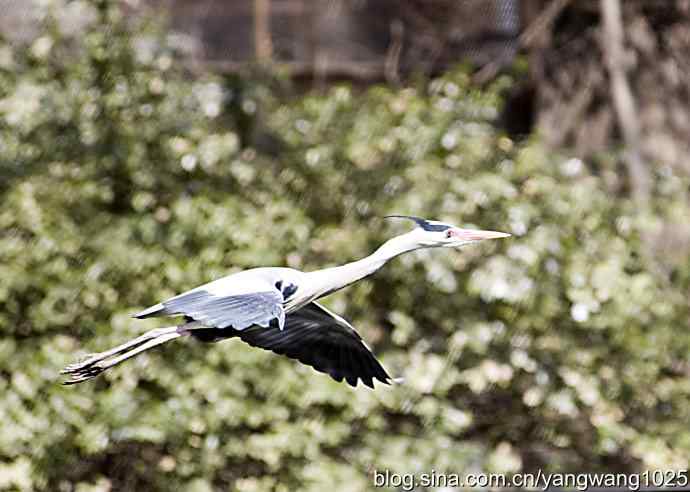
<point x="95" y="364"/>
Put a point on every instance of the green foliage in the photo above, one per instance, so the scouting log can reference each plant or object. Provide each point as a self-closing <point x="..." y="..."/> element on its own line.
<point x="125" y="181"/>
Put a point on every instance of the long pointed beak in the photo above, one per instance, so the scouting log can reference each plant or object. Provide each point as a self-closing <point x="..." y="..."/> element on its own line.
<point x="479" y="235"/>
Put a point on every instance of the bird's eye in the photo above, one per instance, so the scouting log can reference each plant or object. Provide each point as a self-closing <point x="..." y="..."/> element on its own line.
<point x="449" y="234"/>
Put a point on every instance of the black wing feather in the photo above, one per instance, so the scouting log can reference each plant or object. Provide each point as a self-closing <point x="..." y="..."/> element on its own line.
<point x="315" y="337"/>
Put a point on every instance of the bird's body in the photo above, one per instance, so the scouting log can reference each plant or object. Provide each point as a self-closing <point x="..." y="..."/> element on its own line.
<point x="274" y="308"/>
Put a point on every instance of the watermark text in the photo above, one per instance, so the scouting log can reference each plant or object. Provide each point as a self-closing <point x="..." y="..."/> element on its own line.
<point x="533" y="481"/>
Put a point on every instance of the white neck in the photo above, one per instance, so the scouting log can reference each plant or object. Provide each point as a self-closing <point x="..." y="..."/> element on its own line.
<point x="329" y="280"/>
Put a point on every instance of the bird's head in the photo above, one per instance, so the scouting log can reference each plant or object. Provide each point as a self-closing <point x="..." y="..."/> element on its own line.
<point x="435" y="234"/>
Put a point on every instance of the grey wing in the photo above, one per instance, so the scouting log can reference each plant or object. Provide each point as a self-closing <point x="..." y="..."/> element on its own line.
<point x="238" y="311"/>
<point x="323" y="340"/>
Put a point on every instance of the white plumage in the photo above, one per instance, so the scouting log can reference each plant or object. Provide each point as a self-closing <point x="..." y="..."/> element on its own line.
<point x="273" y="308"/>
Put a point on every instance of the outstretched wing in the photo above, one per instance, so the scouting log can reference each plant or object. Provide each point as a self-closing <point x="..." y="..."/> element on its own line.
<point x="231" y="311"/>
<point x="321" y="339"/>
<point x="238" y="311"/>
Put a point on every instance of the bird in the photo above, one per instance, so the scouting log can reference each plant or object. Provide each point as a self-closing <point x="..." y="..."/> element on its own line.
<point x="275" y="308"/>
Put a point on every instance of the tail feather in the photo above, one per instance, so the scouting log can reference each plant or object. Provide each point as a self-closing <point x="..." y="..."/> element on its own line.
<point x="96" y="363"/>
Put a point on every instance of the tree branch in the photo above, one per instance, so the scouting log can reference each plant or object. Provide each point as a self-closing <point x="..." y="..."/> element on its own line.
<point x="263" y="46"/>
<point x="623" y="101"/>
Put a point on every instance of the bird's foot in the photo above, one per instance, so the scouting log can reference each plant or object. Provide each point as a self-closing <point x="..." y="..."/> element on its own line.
<point x="79" y="375"/>
<point x="84" y="364"/>
<point x="88" y="368"/>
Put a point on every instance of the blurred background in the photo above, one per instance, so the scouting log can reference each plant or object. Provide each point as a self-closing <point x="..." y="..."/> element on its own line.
<point x="148" y="146"/>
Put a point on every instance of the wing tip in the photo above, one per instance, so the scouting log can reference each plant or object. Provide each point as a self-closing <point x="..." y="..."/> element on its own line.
<point x="150" y="311"/>
<point x="387" y="381"/>
<point x="370" y="379"/>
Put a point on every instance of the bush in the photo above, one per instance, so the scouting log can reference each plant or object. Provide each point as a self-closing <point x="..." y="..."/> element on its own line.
<point x="126" y="181"/>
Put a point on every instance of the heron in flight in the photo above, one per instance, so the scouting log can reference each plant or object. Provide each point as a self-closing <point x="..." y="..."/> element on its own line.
<point x="275" y="308"/>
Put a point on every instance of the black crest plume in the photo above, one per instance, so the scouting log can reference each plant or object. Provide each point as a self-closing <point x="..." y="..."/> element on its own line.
<point x="423" y="223"/>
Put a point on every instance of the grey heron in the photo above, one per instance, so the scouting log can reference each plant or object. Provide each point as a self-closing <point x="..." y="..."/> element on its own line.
<point x="275" y="308"/>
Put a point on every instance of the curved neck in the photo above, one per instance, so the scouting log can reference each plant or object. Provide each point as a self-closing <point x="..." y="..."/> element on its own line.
<point x="329" y="280"/>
